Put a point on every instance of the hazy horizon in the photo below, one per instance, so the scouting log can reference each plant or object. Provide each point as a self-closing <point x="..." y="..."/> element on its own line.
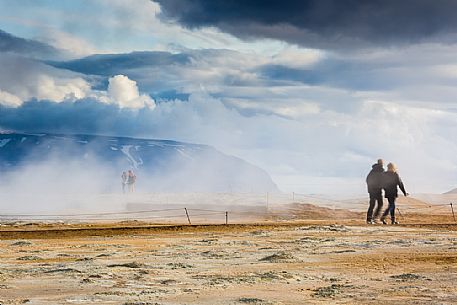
<point x="313" y="92"/>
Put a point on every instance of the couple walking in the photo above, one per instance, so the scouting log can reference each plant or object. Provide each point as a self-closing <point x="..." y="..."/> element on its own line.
<point x="390" y="181"/>
<point x="128" y="179"/>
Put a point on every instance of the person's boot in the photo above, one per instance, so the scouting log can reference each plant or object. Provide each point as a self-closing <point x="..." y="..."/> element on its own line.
<point x="394" y="222"/>
<point x="383" y="220"/>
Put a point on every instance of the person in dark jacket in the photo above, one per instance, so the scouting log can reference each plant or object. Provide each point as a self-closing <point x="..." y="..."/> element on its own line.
<point x="374" y="184"/>
<point x="391" y="183"/>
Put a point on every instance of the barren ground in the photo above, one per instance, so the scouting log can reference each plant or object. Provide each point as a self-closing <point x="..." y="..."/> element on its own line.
<point x="276" y="263"/>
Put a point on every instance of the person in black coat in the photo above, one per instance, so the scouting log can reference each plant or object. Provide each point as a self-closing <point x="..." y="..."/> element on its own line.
<point x="391" y="183"/>
<point x="374" y="184"/>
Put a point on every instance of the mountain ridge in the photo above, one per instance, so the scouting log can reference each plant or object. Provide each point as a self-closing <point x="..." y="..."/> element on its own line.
<point x="170" y="165"/>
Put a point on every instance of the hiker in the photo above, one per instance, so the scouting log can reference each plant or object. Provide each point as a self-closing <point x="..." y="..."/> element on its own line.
<point x="124" y="178"/>
<point x="391" y="183"/>
<point x="374" y="184"/>
<point x="131" y="179"/>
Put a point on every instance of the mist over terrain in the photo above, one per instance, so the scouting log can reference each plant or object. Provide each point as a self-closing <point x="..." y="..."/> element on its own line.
<point x="52" y="170"/>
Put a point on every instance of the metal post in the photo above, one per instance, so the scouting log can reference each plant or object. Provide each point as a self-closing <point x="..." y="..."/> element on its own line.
<point x="226" y="217"/>
<point x="293" y="196"/>
<point x="452" y="208"/>
<point x="187" y="214"/>
<point x="267" y="202"/>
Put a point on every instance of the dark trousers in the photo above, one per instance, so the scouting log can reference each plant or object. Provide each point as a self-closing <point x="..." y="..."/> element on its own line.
<point x="374" y="197"/>
<point x="390" y="209"/>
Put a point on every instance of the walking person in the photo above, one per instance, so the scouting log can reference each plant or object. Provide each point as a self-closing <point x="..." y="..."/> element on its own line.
<point x="124" y="179"/>
<point x="131" y="181"/>
<point x="374" y="184"/>
<point x="391" y="183"/>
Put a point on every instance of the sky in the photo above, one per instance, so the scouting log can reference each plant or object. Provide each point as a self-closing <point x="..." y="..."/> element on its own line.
<point x="312" y="91"/>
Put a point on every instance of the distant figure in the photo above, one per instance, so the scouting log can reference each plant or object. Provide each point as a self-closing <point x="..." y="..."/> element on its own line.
<point x="124" y="178"/>
<point x="374" y="184"/>
<point x="131" y="179"/>
<point x="391" y="180"/>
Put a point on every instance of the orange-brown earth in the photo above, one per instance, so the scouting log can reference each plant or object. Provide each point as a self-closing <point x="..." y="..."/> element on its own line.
<point x="279" y="259"/>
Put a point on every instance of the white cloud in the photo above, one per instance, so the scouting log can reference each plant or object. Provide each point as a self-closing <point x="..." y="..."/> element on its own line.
<point x="28" y="79"/>
<point x="73" y="45"/>
<point x="124" y="92"/>
<point x="296" y="57"/>
<point x="25" y="79"/>
<point x="9" y="100"/>
<point x="52" y="88"/>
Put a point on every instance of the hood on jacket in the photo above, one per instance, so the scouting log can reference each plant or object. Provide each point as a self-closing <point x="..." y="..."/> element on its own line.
<point x="377" y="167"/>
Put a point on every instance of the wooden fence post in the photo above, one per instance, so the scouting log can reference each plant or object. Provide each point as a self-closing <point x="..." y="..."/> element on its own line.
<point x="187" y="214"/>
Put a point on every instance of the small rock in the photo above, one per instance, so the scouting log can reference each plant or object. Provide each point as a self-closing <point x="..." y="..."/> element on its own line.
<point x="407" y="277"/>
<point x="252" y="301"/>
<point x="127" y="265"/>
<point x="277" y="257"/>
<point x="63" y="270"/>
<point x="21" y="243"/>
<point x="329" y="291"/>
<point x="29" y="258"/>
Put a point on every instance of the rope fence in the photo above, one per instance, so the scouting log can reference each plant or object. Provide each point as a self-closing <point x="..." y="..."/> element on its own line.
<point x="275" y="206"/>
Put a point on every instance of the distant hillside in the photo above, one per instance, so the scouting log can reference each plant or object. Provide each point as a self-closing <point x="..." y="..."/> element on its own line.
<point x="161" y="165"/>
<point x="453" y="191"/>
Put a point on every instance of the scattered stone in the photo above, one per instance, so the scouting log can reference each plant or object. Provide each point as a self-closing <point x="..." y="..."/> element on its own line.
<point x="167" y="282"/>
<point x="140" y="303"/>
<point x="407" y="277"/>
<point x="133" y="265"/>
<point x="278" y="257"/>
<point x="270" y="275"/>
<point x="179" y="266"/>
<point x="85" y="259"/>
<point x="333" y="228"/>
<point x="63" y="270"/>
<point x="253" y="301"/>
<point x="260" y="233"/>
<point x="29" y="258"/>
<point x="212" y="254"/>
<point x="21" y="243"/>
<point x="343" y="251"/>
<point x="315" y="240"/>
<point x="329" y="291"/>
<point x="401" y="242"/>
<point x="208" y="241"/>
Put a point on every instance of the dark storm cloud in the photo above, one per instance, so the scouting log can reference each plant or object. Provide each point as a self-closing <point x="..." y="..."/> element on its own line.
<point x="27" y="47"/>
<point x="322" y="23"/>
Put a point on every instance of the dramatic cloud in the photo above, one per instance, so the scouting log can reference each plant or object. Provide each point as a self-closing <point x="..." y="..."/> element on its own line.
<point x="322" y="23"/>
<point x="23" y="79"/>
<point x="124" y="92"/>
<point x="15" y="45"/>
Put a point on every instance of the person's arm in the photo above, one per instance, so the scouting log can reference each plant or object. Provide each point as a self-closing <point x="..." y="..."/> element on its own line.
<point x="401" y="186"/>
